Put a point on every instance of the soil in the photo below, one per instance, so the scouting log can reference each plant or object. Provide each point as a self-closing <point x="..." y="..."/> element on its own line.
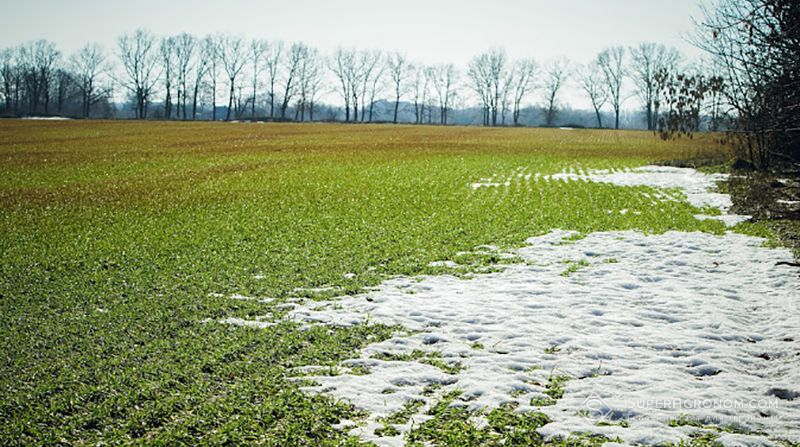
<point x="772" y="198"/>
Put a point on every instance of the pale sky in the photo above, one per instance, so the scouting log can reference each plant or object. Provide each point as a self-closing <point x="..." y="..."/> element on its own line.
<point x="430" y="31"/>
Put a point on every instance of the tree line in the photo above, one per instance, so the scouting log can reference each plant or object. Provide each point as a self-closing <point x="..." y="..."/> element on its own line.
<point x="183" y="77"/>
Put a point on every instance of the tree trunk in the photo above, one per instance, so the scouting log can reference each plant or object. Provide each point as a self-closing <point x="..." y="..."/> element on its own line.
<point x="253" y="106"/>
<point x="87" y="97"/>
<point x="46" y="98"/>
<point x="355" y="107"/>
<point x="194" y="100"/>
<point x="168" y="104"/>
<point x="396" y="107"/>
<point x="214" y="101"/>
<point x="230" y="102"/>
<point x="272" y="99"/>
<point x="599" y="120"/>
<point x="183" y="104"/>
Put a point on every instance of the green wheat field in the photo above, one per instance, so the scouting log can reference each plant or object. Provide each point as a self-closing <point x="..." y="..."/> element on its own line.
<point x="119" y="239"/>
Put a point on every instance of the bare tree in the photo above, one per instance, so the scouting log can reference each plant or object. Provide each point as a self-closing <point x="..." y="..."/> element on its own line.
<point x="297" y="53"/>
<point x="592" y="83"/>
<point x="555" y="76"/>
<point x="444" y="79"/>
<point x="491" y="80"/>
<point x="505" y="96"/>
<point x="647" y="59"/>
<point x="357" y="74"/>
<point x="8" y="73"/>
<point x="185" y="45"/>
<point x="497" y="74"/>
<point x="430" y="74"/>
<point x="139" y="58"/>
<point x="715" y="106"/>
<point x="207" y="66"/>
<point x="369" y="70"/>
<point x="373" y="78"/>
<point x="314" y="79"/>
<point x="421" y="83"/>
<point x="399" y="68"/>
<point x="257" y="49"/>
<point x="309" y="80"/>
<point x="168" y="71"/>
<point x="64" y="85"/>
<point x="12" y="70"/>
<point x="48" y="61"/>
<point x="232" y="56"/>
<point x="348" y="66"/>
<point x="523" y="76"/>
<point x="481" y="83"/>
<point x="342" y="64"/>
<point x="612" y="63"/>
<point x="88" y="64"/>
<point x="273" y="58"/>
<point x="39" y="60"/>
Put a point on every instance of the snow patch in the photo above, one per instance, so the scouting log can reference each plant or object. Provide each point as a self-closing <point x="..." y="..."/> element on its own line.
<point x="688" y="316"/>
<point x="247" y="323"/>
<point x="448" y="264"/>
<point x="46" y="118"/>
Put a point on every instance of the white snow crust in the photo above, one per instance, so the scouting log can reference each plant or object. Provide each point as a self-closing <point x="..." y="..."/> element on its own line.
<point x="687" y="316"/>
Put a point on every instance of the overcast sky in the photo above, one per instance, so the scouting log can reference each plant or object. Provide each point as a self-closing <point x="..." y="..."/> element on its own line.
<point x="430" y="31"/>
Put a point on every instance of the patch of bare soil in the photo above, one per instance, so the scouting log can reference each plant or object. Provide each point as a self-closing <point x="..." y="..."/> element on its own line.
<point x="772" y="198"/>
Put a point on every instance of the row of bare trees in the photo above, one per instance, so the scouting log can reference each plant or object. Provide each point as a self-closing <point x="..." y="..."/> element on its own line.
<point x="175" y="77"/>
<point x="602" y="80"/>
<point x="281" y="77"/>
<point x="38" y="79"/>
<point x="500" y="84"/>
<point x="364" y="75"/>
<point x="190" y="67"/>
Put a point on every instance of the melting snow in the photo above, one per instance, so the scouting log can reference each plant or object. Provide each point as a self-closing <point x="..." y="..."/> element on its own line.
<point x="247" y="323"/>
<point x="449" y="264"/>
<point x="46" y="118"/>
<point x="647" y="327"/>
<point x="689" y="316"/>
